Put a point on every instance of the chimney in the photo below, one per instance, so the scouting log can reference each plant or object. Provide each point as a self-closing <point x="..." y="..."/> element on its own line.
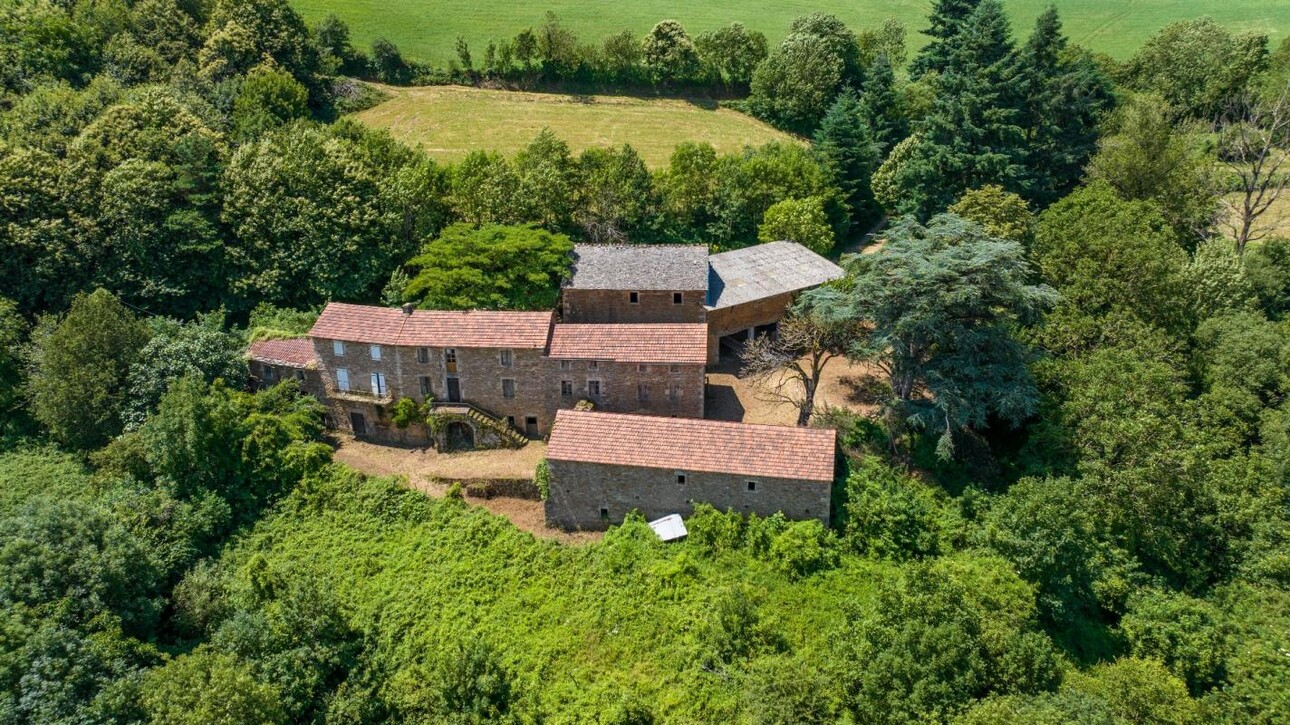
<point x="407" y="308"/>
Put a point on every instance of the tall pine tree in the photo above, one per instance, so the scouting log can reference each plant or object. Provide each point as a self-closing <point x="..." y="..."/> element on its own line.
<point x="947" y="19"/>
<point x="847" y="147"/>
<point x="880" y="106"/>
<point x="971" y="137"/>
<point x="1061" y="98"/>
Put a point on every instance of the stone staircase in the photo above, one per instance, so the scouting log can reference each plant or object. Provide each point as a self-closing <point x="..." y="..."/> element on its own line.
<point x="483" y="418"/>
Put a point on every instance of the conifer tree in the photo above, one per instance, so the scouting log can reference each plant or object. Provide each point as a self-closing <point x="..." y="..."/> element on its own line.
<point x="947" y="19"/>
<point x="1061" y="98"/>
<point x="880" y="106"/>
<point x="971" y="137"/>
<point x="847" y="148"/>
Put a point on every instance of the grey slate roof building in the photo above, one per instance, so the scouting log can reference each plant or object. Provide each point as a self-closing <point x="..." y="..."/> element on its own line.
<point x="639" y="267"/>
<point x="765" y="270"/>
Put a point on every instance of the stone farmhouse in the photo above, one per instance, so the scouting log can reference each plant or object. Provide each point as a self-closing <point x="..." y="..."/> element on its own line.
<point x="635" y="328"/>
<point x="602" y="466"/>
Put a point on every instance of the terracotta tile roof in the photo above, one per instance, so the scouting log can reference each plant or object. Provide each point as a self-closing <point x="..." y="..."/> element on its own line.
<point x="690" y="444"/>
<point x="297" y="352"/>
<point x="432" y="328"/>
<point x="638" y="343"/>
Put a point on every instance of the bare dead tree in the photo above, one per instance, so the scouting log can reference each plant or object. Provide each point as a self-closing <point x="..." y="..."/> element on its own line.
<point x="1254" y="144"/>
<point x="788" y="366"/>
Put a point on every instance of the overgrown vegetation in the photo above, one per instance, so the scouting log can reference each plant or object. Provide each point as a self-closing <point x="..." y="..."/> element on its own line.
<point x="1072" y="506"/>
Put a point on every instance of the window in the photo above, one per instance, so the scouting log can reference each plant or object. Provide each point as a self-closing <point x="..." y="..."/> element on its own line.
<point x="566" y="364"/>
<point x="300" y="375"/>
<point x="642" y="368"/>
<point x="342" y="380"/>
<point x="604" y="513"/>
<point x="423" y="355"/>
<point x="752" y="486"/>
<point x="680" y="477"/>
<point x="566" y="388"/>
<point x="450" y="360"/>
<point x="508" y="388"/>
<point x="674" y="369"/>
<point x="338" y="348"/>
<point x="270" y="373"/>
<point x="634" y="297"/>
<point x="674" y="392"/>
<point x="426" y="388"/>
<point x="593" y="388"/>
<point x="510" y="420"/>
<point x="376" y="352"/>
<point x="642" y="392"/>
<point x="677" y="298"/>
<point x="378" y="384"/>
<point x="504" y="357"/>
<point x="593" y="364"/>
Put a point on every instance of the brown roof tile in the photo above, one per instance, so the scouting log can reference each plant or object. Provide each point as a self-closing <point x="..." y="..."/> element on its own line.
<point x="633" y="343"/>
<point x="432" y="328"/>
<point x="689" y="444"/>
<point x="297" y="352"/>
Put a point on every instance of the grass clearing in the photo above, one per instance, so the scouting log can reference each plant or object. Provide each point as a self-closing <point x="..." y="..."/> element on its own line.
<point x="1275" y="222"/>
<point x="427" y="30"/>
<point x="450" y="121"/>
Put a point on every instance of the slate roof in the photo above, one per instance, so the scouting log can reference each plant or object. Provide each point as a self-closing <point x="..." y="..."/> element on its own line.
<point x="681" y="267"/>
<point x="432" y="328"/>
<point x="296" y="353"/>
<point x="692" y="444"/>
<point x="632" y="343"/>
<point x="765" y="270"/>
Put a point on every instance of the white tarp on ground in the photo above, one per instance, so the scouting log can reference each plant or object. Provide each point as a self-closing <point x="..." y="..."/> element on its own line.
<point x="669" y="528"/>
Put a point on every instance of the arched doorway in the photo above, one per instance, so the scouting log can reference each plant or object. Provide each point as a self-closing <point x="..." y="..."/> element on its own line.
<point x="460" y="436"/>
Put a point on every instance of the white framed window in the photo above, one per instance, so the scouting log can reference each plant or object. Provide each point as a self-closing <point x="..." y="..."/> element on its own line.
<point x="427" y="389"/>
<point x="678" y="298"/>
<point x="642" y="392"/>
<point x="566" y="388"/>
<point x="338" y="348"/>
<point x="508" y="387"/>
<point x="674" y="392"/>
<point x="342" y="380"/>
<point x="450" y="360"/>
<point x="376" y="352"/>
<point x="634" y="298"/>
<point x="505" y="358"/>
<point x="378" y="384"/>
<point x="593" y="388"/>
<point x="423" y="355"/>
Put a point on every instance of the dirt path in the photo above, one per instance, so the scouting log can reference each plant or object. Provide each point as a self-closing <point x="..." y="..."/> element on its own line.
<point x="428" y="471"/>
<point x="730" y="397"/>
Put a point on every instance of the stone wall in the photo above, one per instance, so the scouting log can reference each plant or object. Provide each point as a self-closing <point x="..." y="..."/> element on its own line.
<point x="606" y="306"/>
<point x="264" y="375"/>
<point x="730" y="320"/>
<point x="579" y="491"/>
<point x="619" y="387"/>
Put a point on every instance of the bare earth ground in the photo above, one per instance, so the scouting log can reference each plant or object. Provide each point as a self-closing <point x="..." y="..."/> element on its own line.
<point x="728" y="397"/>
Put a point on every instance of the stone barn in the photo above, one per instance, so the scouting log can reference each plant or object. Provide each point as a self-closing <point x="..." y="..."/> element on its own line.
<point x="604" y="465"/>
<point x="273" y="361"/>
<point x="749" y="289"/>
<point x="636" y="283"/>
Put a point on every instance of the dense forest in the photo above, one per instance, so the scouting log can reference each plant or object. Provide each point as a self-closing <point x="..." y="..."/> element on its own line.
<point x="1073" y="505"/>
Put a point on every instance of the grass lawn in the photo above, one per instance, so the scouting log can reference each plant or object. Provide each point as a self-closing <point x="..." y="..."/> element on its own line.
<point x="427" y="29"/>
<point x="1275" y="222"/>
<point x="450" y="121"/>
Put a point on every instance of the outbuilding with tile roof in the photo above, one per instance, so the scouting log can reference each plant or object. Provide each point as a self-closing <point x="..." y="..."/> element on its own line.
<point x="604" y="465"/>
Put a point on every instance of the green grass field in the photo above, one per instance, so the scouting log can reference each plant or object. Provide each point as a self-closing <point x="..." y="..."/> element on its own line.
<point x="427" y="29"/>
<point x="450" y="121"/>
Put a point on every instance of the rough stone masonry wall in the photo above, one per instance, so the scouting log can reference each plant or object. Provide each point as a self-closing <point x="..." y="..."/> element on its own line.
<point x="607" y="306"/>
<point x="619" y="387"/>
<point x="579" y="490"/>
<point x="729" y="320"/>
